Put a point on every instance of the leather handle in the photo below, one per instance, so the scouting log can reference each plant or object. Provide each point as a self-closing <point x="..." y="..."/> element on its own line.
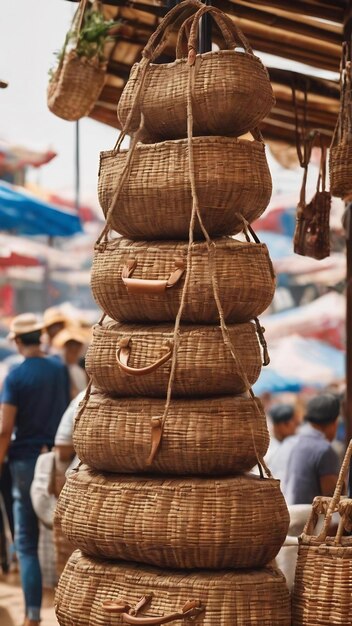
<point x="191" y="610"/>
<point x="147" y="286"/>
<point x="123" y="353"/>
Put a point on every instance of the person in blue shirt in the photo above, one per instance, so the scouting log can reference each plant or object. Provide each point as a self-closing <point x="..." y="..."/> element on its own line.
<point x="34" y="397"/>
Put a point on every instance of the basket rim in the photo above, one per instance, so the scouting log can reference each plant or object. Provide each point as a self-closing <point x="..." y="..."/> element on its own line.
<point x="214" y="139"/>
<point x="222" y="243"/>
<point x="167" y="329"/>
<point x="205" y="55"/>
<point x="169" y="483"/>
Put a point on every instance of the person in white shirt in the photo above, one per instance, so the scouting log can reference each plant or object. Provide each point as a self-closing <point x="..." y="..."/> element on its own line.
<point x="283" y="440"/>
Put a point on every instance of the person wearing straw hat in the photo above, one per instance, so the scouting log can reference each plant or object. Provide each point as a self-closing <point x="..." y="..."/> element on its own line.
<point x="54" y="321"/>
<point x="70" y="344"/>
<point x="35" y="394"/>
<point x="313" y="465"/>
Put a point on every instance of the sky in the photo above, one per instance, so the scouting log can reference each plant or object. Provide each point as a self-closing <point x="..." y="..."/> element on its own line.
<point x="30" y="32"/>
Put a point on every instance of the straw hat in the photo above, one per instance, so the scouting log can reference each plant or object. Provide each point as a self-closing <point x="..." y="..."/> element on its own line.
<point x="72" y="333"/>
<point x="52" y="316"/>
<point x="24" y="324"/>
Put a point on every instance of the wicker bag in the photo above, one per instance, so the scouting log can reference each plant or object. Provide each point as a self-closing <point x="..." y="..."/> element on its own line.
<point x="235" y="522"/>
<point x="211" y="436"/>
<point x="142" y="281"/>
<point x="78" y="80"/>
<point x="312" y="234"/>
<point x="341" y="145"/>
<point x="131" y="360"/>
<point x="232" y="92"/>
<point x="323" y="582"/>
<point x="94" y="592"/>
<point x="146" y="192"/>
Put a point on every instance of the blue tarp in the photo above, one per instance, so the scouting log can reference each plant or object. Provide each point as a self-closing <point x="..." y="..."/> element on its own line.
<point x="280" y="246"/>
<point x="272" y="382"/>
<point x="24" y="214"/>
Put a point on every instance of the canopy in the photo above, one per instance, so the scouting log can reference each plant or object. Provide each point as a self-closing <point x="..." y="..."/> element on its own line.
<point x="24" y="214"/>
<point x="323" y="318"/>
<point x="311" y="363"/>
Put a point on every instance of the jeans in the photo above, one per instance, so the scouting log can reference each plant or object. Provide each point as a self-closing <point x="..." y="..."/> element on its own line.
<point x="26" y="535"/>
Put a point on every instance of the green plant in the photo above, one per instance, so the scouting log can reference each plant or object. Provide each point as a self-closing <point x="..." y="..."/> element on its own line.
<point x="91" y="39"/>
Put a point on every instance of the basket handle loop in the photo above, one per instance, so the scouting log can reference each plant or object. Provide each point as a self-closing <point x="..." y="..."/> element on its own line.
<point x="146" y="286"/>
<point x="233" y="36"/>
<point x="337" y="493"/>
<point x="190" y="610"/>
<point x="158" y="40"/>
<point x="123" y="353"/>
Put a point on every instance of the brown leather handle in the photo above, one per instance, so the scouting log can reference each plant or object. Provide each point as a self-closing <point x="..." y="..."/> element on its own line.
<point x="190" y="610"/>
<point x="123" y="353"/>
<point x="143" y="285"/>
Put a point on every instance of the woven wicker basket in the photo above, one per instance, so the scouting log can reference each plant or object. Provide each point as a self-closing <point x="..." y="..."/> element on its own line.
<point x="236" y="598"/>
<point x="155" y="202"/>
<point x="142" y="281"/>
<point x="341" y="145"/>
<point x="341" y="169"/>
<point x="323" y="582"/>
<point x="131" y="360"/>
<point x="235" y="522"/>
<point x="227" y="81"/>
<point x="75" y="87"/>
<point x="211" y="436"/>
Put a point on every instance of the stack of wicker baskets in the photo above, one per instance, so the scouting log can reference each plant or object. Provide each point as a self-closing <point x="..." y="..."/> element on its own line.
<point x="170" y="426"/>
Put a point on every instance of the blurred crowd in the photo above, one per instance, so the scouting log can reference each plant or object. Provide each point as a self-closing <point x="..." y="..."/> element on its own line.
<point x="42" y="386"/>
<point x="40" y="395"/>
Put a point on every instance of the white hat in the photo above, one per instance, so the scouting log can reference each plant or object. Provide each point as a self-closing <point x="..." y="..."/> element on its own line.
<point x="24" y="324"/>
<point x="54" y="315"/>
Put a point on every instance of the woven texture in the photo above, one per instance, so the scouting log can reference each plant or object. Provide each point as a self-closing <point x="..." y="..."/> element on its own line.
<point x="232" y="178"/>
<point x="204" y="364"/>
<point x="75" y="87"/>
<point x="323" y="582"/>
<point x="244" y="273"/>
<point x="235" y="522"/>
<point x="226" y="81"/>
<point x="211" y="436"/>
<point x="341" y="169"/>
<point x="63" y="549"/>
<point x="322" y="592"/>
<point x="236" y="598"/>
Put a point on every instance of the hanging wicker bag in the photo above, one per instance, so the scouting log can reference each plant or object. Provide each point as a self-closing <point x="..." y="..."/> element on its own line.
<point x="131" y="360"/>
<point x="211" y="436"/>
<point x="237" y="522"/>
<point x="341" y="145"/>
<point x="93" y="592"/>
<point x="146" y="192"/>
<point x="142" y="281"/>
<point x="312" y="233"/>
<point x="322" y="591"/>
<point x="78" y="80"/>
<point x="231" y="94"/>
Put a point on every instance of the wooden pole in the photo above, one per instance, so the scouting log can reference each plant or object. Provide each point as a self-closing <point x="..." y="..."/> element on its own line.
<point x="348" y="229"/>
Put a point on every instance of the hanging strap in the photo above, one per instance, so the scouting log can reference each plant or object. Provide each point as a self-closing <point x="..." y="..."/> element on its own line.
<point x="159" y="424"/>
<point x="232" y="35"/>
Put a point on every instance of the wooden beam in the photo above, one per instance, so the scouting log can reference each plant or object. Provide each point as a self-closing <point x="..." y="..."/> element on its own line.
<point x="330" y="12"/>
<point x="275" y="21"/>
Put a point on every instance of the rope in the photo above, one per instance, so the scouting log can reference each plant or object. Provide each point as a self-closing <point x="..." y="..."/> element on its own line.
<point x="211" y="247"/>
<point x="128" y="165"/>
